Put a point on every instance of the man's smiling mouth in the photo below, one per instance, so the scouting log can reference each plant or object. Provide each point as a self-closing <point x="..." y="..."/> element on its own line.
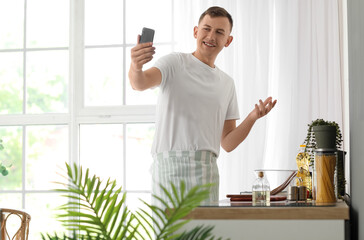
<point x="208" y="44"/>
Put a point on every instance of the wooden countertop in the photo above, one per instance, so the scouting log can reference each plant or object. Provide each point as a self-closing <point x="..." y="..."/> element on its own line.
<point x="339" y="211"/>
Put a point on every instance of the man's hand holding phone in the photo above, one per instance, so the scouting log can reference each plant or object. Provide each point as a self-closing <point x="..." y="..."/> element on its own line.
<point x="143" y="52"/>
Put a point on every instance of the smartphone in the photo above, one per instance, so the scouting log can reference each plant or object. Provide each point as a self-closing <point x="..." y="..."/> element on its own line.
<point x="147" y="35"/>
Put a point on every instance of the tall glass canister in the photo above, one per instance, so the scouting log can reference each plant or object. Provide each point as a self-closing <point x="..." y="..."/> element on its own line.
<point x="324" y="177"/>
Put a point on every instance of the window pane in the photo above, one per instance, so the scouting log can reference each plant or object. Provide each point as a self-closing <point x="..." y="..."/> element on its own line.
<point x="101" y="150"/>
<point x="134" y="203"/>
<point x="142" y="13"/>
<point x="47" y="152"/>
<point x="10" y="200"/>
<point x="47" y="82"/>
<point x="104" y="77"/>
<point x="11" y="157"/>
<point x="47" y="23"/>
<point x="42" y="209"/>
<point x="149" y="96"/>
<point x="138" y="157"/>
<point x="11" y="24"/>
<point x="103" y="22"/>
<point x="11" y="83"/>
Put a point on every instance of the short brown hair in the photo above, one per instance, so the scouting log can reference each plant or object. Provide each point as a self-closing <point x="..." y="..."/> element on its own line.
<point x="217" y="12"/>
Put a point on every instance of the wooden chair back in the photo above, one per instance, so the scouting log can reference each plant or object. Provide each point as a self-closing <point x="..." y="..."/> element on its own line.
<point x="23" y="230"/>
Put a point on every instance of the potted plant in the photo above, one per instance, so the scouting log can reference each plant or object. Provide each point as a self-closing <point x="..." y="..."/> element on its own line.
<point x="327" y="134"/>
<point x="97" y="210"/>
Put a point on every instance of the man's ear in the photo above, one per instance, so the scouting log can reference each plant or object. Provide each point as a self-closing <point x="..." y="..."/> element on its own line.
<point x="230" y="39"/>
<point x="195" y="29"/>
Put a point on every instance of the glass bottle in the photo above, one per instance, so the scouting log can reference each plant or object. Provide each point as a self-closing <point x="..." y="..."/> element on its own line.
<point x="303" y="177"/>
<point x="261" y="190"/>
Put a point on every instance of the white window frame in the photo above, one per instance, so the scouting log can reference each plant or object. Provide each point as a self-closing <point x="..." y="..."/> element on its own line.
<point x="78" y="113"/>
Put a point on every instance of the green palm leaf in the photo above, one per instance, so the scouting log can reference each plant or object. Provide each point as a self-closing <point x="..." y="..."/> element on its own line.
<point x="94" y="206"/>
<point x="179" y="203"/>
<point x="96" y="210"/>
<point x="199" y="232"/>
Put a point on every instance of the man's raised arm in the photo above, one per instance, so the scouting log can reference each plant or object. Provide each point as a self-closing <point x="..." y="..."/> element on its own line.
<point x="232" y="136"/>
<point x="139" y="79"/>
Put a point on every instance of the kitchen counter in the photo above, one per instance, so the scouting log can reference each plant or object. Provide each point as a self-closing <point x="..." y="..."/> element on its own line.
<point x="286" y="220"/>
<point x="278" y="210"/>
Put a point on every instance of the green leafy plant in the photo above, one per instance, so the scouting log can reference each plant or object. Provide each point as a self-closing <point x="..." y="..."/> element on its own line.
<point x="3" y="169"/>
<point x="310" y="140"/>
<point x="97" y="210"/>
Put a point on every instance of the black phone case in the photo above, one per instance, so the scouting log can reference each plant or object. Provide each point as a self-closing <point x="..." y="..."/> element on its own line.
<point x="147" y="35"/>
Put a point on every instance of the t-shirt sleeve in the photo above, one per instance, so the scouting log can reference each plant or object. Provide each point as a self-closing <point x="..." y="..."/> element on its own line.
<point x="233" y="108"/>
<point x="167" y="65"/>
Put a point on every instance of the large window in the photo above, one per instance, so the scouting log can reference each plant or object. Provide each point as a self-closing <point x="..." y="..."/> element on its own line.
<point x="65" y="97"/>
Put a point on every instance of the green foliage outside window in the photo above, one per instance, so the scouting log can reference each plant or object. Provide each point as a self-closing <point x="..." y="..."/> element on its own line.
<point x="11" y="102"/>
<point x="3" y="169"/>
<point x="11" y="157"/>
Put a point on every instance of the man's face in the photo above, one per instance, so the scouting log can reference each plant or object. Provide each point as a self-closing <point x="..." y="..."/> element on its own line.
<point x="212" y="34"/>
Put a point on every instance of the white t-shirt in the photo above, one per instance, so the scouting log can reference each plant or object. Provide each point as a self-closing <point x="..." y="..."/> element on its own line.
<point x="194" y="102"/>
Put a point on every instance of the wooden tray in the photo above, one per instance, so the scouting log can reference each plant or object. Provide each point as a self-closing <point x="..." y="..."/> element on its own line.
<point x="248" y="197"/>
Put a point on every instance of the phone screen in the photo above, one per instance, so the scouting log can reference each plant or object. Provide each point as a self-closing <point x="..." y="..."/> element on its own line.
<point x="147" y="35"/>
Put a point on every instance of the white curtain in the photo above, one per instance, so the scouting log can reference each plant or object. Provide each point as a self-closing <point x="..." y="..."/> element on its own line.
<point x="287" y="49"/>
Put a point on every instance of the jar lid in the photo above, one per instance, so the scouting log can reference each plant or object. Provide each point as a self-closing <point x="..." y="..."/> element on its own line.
<point x="323" y="150"/>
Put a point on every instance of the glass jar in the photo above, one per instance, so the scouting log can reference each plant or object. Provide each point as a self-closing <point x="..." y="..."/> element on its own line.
<point x="324" y="176"/>
<point x="261" y="190"/>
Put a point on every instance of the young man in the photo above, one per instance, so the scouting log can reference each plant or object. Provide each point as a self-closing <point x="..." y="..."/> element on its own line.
<point x="197" y="107"/>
